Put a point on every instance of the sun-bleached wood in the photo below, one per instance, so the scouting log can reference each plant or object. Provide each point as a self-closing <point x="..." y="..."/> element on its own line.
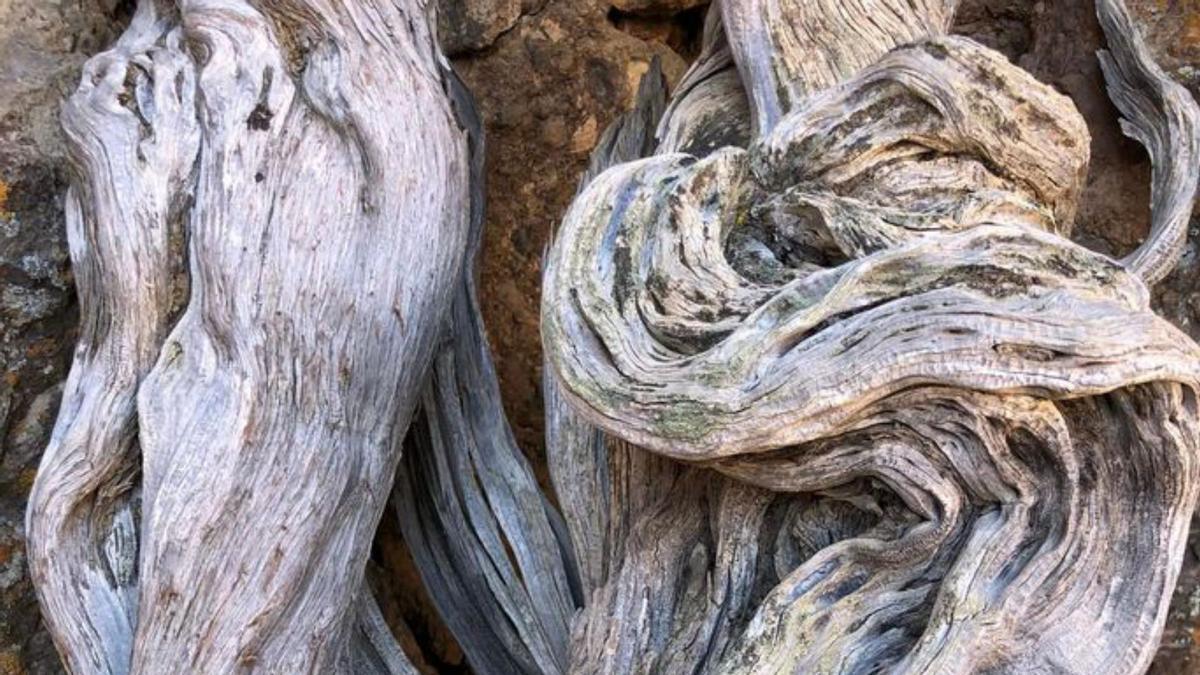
<point x="124" y="214"/>
<point x="490" y="549"/>
<point x="892" y="418"/>
<point x="217" y="474"/>
<point x="1161" y="115"/>
<point x="828" y="386"/>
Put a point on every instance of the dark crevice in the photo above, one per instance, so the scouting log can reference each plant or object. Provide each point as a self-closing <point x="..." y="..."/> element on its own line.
<point x="681" y="31"/>
<point x="119" y="11"/>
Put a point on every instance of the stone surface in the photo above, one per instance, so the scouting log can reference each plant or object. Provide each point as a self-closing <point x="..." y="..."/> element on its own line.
<point x="548" y="77"/>
<point x="656" y="7"/>
<point x="475" y="24"/>
<point x="546" y="89"/>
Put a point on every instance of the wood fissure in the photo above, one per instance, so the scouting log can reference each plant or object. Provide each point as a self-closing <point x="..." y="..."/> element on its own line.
<point x="871" y="301"/>
<point x="828" y="387"/>
<point x="331" y="191"/>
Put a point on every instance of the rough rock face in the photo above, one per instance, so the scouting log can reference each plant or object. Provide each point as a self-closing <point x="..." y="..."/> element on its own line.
<point x="548" y="77"/>
<point x="546" y="89"/>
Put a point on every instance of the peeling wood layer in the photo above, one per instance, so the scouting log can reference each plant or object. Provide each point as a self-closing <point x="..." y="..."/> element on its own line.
<point x="914" y="428"/>
<point x="828" y="386"/>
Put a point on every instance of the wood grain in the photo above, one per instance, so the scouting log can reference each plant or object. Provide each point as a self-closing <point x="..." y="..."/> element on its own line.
<point x="828" y="386"/>
<point x="327" y="178"/>
<point x="914" y="427"/>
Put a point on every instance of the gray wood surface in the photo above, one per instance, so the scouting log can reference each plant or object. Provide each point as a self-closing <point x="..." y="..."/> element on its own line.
<point x="215" y="479"/>
<point x="908" y="425"/>
<point x="828" y="386"/>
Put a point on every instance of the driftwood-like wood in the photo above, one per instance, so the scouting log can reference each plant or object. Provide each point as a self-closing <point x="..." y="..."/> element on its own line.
<point x="124" y="214"/>
<point x="490" y="549"/>
<point x="893" y="419"/>
<point x="828" y="387"/>
<point x="211" y="491"/>
<point x="1161" y="115"/>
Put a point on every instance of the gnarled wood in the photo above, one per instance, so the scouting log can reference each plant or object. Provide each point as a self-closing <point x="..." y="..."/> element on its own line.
<point x="932" y="434"/>
<point x="828" y="387"/>
<point x="1162" y="116"/>
<point x="489" y="547"/>
<point x="330" y="185"/>
<point x="124" y="215"/>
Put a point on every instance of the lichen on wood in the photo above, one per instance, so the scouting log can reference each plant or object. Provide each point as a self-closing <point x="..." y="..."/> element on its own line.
<point x="829" y="388"/>
<point x="915" y="427"/>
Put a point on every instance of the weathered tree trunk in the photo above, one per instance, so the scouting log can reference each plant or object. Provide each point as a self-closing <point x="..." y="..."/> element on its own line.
<point x="212" y="486"/>
<point x="916" y="429"/>
<point x="828" y="387"/>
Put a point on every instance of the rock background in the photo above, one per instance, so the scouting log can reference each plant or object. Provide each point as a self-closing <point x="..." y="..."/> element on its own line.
<point x="548" y="76"/>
